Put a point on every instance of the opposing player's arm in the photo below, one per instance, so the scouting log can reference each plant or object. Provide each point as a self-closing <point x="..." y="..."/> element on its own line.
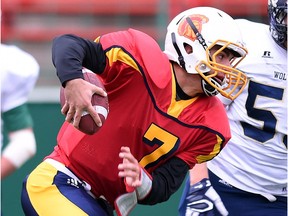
<point x="22" y="144"/>
<point x="199" y="197"/>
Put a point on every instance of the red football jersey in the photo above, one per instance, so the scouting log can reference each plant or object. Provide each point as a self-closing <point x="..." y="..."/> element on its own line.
<point x="144" y="115"/>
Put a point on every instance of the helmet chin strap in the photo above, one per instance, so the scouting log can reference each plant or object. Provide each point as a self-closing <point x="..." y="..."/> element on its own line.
<point x="197" y="33"/>
<point x="180" y="57"/>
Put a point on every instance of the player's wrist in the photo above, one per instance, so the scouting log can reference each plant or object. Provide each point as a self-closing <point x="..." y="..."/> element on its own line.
<point x="201" y="185"/>
<point x="146" y="186"/>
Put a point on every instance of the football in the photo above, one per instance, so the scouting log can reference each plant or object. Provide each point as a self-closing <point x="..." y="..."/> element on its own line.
<point x="100" y="104"/>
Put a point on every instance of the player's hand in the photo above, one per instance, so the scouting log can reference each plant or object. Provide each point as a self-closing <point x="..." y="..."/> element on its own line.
<point x="129" y="168"/>
<point x="202" y="199"/>
<point x="78" y="94"/>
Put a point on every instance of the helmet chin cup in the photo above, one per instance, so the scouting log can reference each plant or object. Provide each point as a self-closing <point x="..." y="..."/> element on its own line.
<point x="208" y="89"/>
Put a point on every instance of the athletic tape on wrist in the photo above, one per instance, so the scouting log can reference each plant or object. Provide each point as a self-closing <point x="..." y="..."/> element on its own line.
<point x="22" y="146"/>
<point x="125" y="203"/>
<point x="146" y="185"/>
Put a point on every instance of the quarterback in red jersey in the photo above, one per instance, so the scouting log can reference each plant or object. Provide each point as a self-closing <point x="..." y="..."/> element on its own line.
<point x="163" y="116"/>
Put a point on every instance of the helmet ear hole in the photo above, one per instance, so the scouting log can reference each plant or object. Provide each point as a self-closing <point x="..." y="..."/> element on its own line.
<point x="188" y="48"/>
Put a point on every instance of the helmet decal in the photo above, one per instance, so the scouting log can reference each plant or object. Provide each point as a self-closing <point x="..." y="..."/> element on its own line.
<point x="186" y="30"/>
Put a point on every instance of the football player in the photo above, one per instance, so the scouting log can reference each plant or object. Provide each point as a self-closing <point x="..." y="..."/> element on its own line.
<point x="19" y="72"/>
<point x="250" y="173"/>
<point x="163" y="116"/>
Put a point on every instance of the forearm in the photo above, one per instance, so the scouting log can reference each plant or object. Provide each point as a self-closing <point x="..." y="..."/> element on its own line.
<point x="198" y="173"/>
<point x="6" y="167"/>
<point x="150" y="188"/>
<point x="199" y="196"/>
<point x="166" y="180"/>
<point x="21" y="147"/>
<point x="70" y="53"/>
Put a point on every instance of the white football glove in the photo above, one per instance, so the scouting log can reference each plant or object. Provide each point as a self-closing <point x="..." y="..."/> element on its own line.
<point x="201" y="199"/>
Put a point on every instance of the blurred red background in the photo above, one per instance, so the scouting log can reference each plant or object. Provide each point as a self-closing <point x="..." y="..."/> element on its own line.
<point x="32" y="24"/>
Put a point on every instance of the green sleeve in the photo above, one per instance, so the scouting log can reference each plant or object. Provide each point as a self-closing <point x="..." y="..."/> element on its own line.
<point x="17" y="118"/>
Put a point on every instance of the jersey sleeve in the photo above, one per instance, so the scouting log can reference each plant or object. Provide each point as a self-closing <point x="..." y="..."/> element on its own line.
<point x="209" y="137"/>
<point x="17" y="118"/>
<point x="208" y="146"/>
<point x="166" y="180"/>
<point x="71" y="53"/>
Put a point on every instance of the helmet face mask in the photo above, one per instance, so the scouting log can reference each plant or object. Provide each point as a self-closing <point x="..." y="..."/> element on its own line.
<point x="234" y="80"/>
<point x="202" y="28"/>
<point x="277" y="13"/>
